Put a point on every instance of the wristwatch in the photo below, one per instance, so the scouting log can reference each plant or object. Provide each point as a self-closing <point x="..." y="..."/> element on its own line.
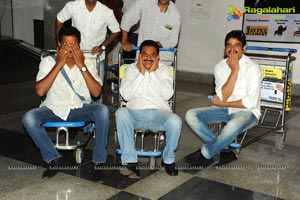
<point x="102" y="47"/>
<point x="83" y="69"/>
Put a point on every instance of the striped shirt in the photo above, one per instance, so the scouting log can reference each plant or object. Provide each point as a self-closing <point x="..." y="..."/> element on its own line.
<point x="154" y="25"/>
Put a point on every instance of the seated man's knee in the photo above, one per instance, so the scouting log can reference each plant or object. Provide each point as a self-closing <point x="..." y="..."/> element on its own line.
<point x="174" y="121"/>
<point x="190" y="116"/>
<point x="121" y="114"/>
<point x="103" y="111"/>
<point x="29" y="119"/>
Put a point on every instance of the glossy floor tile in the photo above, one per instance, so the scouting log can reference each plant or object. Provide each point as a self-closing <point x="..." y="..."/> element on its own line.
<point x="199" y="188"/>
<point x="262" y="171"/>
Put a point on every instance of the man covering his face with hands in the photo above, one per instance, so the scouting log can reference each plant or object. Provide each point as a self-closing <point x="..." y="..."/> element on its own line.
<point x="68" y="101"/>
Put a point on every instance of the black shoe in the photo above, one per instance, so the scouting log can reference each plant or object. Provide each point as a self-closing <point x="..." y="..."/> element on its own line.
<point x="97" y="172"/>
<point x="204" y="162"/>
<point x="131" y="170"/>
<point x="191" y="158"/>
<point x="225" y="158"/>
<point x="53" y="168"/>
<point x="170" y="168"/>
<point x="197" y="159"/>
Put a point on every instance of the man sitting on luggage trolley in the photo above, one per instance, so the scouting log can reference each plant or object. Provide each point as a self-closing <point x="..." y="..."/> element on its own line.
<point x="67" y="100"/>
<point x="147" y="86"/>
<point x="236" y="102"/>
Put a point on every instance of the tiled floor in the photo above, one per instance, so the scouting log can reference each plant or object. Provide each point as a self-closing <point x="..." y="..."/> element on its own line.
<point x="261" y="172"/>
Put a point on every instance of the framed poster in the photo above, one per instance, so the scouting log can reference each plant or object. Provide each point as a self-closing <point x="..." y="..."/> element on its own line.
<point x="272" y="21"/>
<point x="272" y="87"/>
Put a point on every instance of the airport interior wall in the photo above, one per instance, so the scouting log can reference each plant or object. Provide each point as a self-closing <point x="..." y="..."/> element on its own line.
<point x="201" y="40"/>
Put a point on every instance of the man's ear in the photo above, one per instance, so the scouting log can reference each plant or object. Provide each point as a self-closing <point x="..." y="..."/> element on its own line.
<point x="244" y="48"/>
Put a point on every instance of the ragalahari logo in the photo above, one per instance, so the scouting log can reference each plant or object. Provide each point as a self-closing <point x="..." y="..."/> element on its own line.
<point x="233" y="13"/>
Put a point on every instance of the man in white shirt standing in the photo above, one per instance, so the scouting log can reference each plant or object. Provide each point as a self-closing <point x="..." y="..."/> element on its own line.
<point x="92" y="19"/>
<point x="159" y="21"/>
<point x="237" y="101"/>
<point x="66" y="103"/>
<point x="147" y="86"/>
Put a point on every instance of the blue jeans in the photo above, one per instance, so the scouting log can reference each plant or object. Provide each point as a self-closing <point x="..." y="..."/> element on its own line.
<point x="236" y="123"/>
<point x="97" y="113"/>
<point x="149" y="119"/>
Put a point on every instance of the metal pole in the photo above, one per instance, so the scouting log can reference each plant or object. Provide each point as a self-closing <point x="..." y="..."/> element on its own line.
<point x="1" y="17"/>
<point x="12" y="18"/>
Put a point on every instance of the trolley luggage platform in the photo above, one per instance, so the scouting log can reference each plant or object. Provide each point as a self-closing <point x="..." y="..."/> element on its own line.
<point x="275" y="90"/>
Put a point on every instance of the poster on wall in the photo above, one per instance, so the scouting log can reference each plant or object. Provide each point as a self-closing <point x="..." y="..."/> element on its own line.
<point x="272" y="20"/>
<point x="272" y="87"/>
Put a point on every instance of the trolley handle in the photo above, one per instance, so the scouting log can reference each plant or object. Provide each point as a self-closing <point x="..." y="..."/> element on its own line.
<point x="172" y="49"/>
<point x="111" y="67"/>
<point x="271" y="49"/>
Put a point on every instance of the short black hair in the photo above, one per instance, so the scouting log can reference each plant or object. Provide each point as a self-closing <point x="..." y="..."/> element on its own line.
<point x="237" y="34"/>
<point x="149" y="43"/>
<point x="69" y="31"/>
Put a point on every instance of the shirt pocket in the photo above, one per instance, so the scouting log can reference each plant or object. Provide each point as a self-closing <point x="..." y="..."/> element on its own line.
<point x="97" y="24"/>
<point x="165" y="31"/>
<point x="77" y="21"/>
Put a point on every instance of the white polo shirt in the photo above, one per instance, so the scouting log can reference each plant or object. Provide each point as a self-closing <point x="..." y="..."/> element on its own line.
<point x="92" y="25"/>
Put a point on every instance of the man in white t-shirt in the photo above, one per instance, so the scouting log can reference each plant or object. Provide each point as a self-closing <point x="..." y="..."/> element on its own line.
<point x="92" y="19"/>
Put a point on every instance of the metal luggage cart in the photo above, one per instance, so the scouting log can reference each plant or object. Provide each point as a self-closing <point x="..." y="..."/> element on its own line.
<point x="64" y="127"/>
<point x="276" y="70"/>
<point x="112" y="79"/>
<point x="69" y="144"/>
<point x="158" y="138"/>
<point x="275" y="90"/>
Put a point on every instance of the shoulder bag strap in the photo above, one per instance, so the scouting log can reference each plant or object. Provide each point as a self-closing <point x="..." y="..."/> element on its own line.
<point x="68" y="80"/>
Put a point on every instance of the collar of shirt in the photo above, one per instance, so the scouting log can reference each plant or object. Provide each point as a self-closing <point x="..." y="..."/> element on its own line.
<point x="83" y="6"/>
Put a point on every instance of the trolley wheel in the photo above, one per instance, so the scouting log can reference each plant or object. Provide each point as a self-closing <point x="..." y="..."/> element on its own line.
<point x="237" y="151"/>
<point x="152" y="162"/>
<point x="79" y="155"/>
<point x="279" y="143"/>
